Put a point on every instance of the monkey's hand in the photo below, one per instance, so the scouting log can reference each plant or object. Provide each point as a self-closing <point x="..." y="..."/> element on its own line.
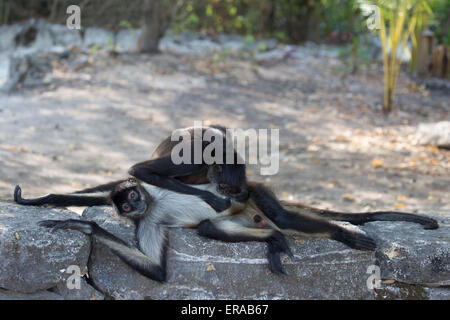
<point x="276" y="246"/>
<point x="240" y="197"/>
<point x="87" y="227"/>
<point x="217" y="203"/>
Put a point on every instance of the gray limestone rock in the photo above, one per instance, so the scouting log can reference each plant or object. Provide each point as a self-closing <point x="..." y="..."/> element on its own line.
<point x="414" y="263"/>
<point x="33" y="258"/>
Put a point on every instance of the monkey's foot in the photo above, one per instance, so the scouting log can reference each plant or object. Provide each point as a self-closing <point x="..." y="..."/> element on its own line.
<point x="277" y="245"/>
<point x="355" y="240"/>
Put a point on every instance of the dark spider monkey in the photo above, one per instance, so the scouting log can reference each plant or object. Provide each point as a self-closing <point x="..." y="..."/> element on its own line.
<point x="259" y="218"/>
<point x="229" y="178"/>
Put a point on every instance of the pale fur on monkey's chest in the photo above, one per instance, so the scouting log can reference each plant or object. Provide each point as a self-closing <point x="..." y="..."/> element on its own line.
<point x="175" y="209"/>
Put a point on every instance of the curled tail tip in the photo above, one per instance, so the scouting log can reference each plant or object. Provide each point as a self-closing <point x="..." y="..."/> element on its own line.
<point x="431" y="225"/>
<point x="17" y="194"/>
<point x="427" y="222"/>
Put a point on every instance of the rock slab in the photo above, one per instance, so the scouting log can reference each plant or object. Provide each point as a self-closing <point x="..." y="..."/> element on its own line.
<point x="200" y="268"/>
<point x="414" y="263"/>
<point x="437" y="134"/>
<point x="32" y="258"/>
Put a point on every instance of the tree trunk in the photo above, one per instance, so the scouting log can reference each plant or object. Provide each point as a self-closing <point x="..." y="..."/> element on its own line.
<point x="156" y="20"/>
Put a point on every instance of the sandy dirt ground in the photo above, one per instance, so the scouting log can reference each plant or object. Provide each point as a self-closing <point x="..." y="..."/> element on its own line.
<point x="336" y="148"/>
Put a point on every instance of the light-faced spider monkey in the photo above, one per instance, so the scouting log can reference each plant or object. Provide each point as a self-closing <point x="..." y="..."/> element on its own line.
<point x="217" y="200"/>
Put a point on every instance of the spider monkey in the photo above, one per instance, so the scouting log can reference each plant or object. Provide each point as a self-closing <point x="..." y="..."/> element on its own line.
<point x="254" y="214"/>
<point x="229" y="178"/>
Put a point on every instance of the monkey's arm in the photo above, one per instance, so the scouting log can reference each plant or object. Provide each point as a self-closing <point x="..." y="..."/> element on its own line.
<point x="230" y="230"/>
<point x="149" y="266"/>
<point x="363" y="217"/>
<point x="74" y="199"/>
<point x="160" y="172"/>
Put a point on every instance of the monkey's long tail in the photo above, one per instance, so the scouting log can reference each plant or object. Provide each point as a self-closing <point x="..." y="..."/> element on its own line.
<point x="361" y="218"/>
<point x="60" y="200"/>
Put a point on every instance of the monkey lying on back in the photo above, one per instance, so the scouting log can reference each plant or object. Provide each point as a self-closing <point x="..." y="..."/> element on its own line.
<point x="261" y="218"/>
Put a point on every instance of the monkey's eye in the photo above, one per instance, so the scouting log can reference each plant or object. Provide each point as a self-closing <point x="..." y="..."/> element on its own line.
<point x="126" y="207"/>
<point x="132" y="195"/>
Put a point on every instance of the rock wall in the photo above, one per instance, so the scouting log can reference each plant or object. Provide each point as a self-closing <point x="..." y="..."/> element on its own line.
<point x="414" y="263"/>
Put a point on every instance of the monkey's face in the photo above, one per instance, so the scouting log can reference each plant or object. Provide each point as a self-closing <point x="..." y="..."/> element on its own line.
<point x="131" y="201"/>
<point x="229" y="180"/>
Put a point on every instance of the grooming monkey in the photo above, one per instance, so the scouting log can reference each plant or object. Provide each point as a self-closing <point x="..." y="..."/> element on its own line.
<point x="254" y="213"/>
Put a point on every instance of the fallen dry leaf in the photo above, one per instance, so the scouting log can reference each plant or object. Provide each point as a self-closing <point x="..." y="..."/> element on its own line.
<point x="399" y="205"/>
<point x="431" y="198"/>
<point x="17" y="236"/>
<point x="341" y="139"/>
<point x="434" y="162"/>
<point x="348" y="196"/>
<point x="435" y="149"/>
<point x="210" y="267"/>
<point x="94" y="297"/>
<point x="210" y="122"/>
<point x="106" y="173"/>
<point x="401" y="197"/>
<point x="75" y="185"/>
<point x="317" y="140"/>
<point x="376" y="163"/>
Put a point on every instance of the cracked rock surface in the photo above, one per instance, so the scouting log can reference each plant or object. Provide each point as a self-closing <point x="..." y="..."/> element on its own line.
<point x="200" y="268"/>
<point x="32" y="258"/>
<point x="414" y="263"/>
